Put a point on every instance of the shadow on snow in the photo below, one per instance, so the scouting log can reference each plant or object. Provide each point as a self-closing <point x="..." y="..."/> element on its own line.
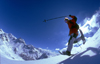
<point x="86" y="59"/>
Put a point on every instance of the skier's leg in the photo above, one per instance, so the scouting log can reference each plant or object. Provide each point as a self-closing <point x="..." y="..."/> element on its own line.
<point x="70" y="43"/>
<point x="82" y="36"/>
<point x="77" y="40"/>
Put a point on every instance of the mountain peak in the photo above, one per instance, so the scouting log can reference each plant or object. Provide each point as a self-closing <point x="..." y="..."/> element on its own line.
<point x="16" y="48"/>
<point x="1" y="31"/>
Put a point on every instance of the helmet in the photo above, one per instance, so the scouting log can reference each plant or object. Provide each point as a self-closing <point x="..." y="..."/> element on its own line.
<point x="66" y="18"/>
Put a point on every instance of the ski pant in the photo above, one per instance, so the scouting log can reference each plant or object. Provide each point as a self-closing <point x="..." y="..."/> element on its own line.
<point x="71" y="41"/>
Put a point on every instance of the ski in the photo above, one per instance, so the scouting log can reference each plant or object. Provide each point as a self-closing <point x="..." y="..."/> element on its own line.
<point x="82" y="36"/>
<point x="66" y="54"/>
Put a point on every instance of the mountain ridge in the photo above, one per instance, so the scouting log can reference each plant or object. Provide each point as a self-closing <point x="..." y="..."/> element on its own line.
<point x="18" y="47"/>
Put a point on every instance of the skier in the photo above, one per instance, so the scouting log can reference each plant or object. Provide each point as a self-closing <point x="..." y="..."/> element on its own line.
<point x="73" y="33"/>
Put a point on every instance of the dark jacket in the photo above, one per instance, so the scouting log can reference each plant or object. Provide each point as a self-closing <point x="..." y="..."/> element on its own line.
<point x="72" y="25"/>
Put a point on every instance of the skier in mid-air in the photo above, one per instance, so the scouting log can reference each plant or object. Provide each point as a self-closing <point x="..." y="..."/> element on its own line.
<point x="73" y="32"/>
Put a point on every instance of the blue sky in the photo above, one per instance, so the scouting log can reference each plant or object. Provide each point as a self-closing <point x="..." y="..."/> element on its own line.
<point x="23" y="18"/>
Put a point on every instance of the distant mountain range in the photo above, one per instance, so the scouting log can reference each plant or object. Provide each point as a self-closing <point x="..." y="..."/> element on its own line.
<point x="16" y="48"/>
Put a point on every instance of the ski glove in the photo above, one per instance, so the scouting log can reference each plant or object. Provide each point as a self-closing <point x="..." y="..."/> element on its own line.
<point x="69" y="15"/>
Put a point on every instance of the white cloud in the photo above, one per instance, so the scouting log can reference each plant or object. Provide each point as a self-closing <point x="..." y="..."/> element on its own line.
<point x="90" y="23"/>
<point x="57" y="49"/>
<point x="66" y="44"/>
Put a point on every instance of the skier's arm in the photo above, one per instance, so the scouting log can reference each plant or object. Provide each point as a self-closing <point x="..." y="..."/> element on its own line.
<point x="71" y="16"/>
<point x="73" y="19"/>
<point x="70" y="22"/>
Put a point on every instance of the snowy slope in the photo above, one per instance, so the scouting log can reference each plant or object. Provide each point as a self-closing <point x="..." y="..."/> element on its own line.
<point x="89" y="54"/>
<point x="16" y="49"/>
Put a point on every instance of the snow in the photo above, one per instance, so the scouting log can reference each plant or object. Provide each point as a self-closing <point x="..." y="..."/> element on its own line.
<point x="16" y="49"/>
<point x="52" y="60"/>
<point x="89" y="54"/>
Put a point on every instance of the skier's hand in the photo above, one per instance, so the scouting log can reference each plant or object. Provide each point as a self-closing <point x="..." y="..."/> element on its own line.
<point x="69" y="15"/>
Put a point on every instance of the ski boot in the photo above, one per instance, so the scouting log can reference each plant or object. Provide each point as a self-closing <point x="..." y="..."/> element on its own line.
<point x="68" y="53"/>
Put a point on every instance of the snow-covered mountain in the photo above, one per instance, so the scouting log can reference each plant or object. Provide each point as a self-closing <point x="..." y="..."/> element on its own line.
<point x="89" y="53"/>
<point x="16" y="48"/>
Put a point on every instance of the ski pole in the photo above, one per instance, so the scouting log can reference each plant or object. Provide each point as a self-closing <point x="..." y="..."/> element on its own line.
<point x="53" y="18"/>
<point x="79" y="45"/>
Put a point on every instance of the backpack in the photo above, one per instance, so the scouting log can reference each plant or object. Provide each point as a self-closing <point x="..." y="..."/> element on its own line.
<point x="76" y="26"/>
<point x="75" y="18"/>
